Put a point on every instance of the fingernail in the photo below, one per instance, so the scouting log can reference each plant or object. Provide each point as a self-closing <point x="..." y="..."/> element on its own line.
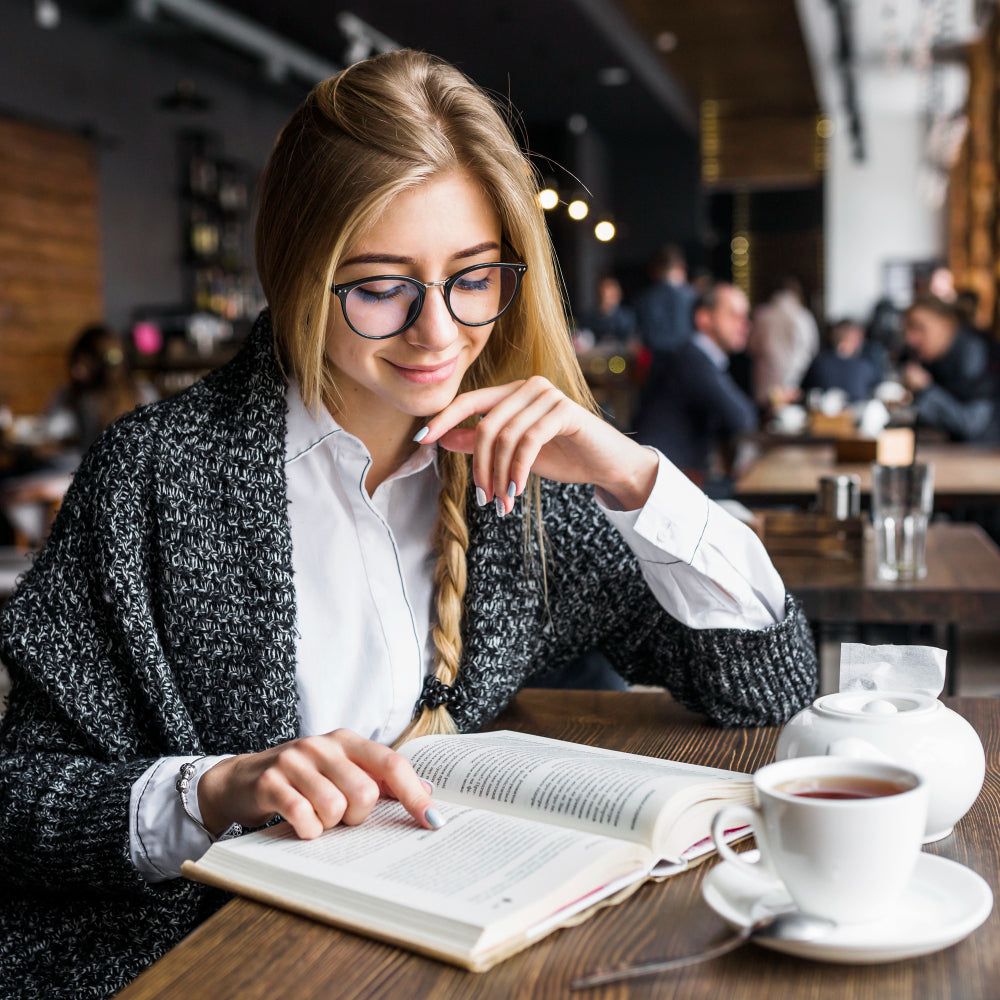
<point x="433" y="818"/>
<point x="421" y="434"/>
<point x="428" y="785"/>
<point x="480" y="496"/>
<point x="512" y="489"/>
<point x="501" y="510"/>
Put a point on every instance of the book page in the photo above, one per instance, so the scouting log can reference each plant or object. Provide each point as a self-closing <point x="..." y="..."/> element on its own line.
<point x="479" y="872"/>
<point x="585" y="788"/>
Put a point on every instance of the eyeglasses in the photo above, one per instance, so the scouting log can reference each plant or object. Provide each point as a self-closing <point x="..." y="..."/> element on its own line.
<point x="385" y="305"/>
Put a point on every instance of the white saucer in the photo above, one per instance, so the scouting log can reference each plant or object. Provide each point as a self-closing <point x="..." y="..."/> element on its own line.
<point x="943" y="903"/>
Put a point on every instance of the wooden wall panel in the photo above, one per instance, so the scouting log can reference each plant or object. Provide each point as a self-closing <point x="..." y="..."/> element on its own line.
<point x="973" y="196"/>
<point x="50" y="262"/>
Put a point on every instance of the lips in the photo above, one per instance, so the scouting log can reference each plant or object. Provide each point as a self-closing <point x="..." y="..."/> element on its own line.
<point x="426" y="374"/>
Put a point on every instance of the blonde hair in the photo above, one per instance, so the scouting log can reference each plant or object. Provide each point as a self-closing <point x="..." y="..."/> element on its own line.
<point x="379" y="128"/>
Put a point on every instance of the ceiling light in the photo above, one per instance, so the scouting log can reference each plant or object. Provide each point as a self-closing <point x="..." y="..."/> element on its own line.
<point x="547" y="198"/>
<point x="47" y="14"/>
<point x="604" y="231"/>
<point x="666" y="41"/>
<point x="613" y="76"/>
<point x="578" y="210"/>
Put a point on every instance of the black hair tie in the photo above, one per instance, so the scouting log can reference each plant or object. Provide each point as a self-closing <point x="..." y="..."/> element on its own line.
<point x="435" y="694"/>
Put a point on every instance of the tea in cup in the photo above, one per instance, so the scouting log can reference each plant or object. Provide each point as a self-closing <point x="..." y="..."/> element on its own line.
<point x="842" y="835"/>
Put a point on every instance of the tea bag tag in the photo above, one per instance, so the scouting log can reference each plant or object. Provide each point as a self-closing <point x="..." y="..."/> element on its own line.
<point x="918" y="669"/>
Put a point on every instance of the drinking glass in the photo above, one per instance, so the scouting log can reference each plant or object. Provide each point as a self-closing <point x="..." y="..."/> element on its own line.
<point x="902" y="501"/>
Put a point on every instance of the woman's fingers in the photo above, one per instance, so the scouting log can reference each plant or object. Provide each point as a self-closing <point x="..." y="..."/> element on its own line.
<point x="314" y="783"/>
<point x="507" y="457"/>
<point x="518" y="421"/>
<point x="468" y="404"/>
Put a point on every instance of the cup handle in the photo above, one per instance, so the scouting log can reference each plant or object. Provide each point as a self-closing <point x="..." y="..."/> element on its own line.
<point x="732" y="817"/>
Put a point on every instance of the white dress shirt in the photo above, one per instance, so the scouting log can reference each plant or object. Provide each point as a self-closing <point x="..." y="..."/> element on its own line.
<point x="363" y="576"/>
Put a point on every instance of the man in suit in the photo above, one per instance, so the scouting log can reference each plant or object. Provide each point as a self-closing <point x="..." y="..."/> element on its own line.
<point x="663" y="309"/>
<point x="692" y="409"/>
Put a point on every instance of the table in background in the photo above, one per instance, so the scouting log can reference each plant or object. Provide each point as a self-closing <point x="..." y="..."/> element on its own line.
<point x="962" y="587"/>
<point x="249" y="951"/>
<point x="790" y="474"/>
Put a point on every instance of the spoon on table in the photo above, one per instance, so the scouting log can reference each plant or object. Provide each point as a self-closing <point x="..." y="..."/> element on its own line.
<point x="786" y="925"/>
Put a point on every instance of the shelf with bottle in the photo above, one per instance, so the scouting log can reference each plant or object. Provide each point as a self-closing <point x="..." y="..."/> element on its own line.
<point x="216" y="252"/>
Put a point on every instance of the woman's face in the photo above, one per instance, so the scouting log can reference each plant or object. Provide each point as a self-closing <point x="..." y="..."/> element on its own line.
<point x="428" y="233"/>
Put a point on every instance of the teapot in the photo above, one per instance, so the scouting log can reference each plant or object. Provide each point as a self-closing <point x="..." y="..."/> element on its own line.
<point x="909" y="729"/>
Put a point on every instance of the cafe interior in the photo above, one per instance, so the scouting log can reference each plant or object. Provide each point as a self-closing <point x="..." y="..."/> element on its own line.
<point x="826" y="168"/>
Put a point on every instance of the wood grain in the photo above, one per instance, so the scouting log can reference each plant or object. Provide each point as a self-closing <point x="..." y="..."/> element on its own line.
<point x="50" y="262"/>
<point x="250" y="952"/>
<point x="791" y="474"/>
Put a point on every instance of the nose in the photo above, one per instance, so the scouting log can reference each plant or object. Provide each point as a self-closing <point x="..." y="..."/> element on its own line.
<point x="434" y="329"/>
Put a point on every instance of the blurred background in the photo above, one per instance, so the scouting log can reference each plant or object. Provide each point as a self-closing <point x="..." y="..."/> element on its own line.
<point x="833" y="161"/>
<point x="852" y="143"/>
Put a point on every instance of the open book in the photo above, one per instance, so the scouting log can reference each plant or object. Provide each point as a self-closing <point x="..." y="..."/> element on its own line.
<point x="537" y="833"/>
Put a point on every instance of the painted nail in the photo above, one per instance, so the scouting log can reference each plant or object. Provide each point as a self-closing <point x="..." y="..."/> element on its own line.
<point x="428" y="785"/>
<point x="433" y="818"/>
<point x="501" y="509"/>
<point x="421" y="434"/>
<point x="512" y="489"/>
<point x="480" y="496"/>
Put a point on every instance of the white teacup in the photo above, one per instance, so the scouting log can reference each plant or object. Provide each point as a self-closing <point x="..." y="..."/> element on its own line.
<point x="842" y="835"/>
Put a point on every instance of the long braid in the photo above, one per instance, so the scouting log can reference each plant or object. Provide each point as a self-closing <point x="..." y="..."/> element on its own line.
<point x="451" y="539"/>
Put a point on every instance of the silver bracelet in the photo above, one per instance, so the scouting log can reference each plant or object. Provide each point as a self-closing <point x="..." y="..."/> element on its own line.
<point x="183" y="784"/>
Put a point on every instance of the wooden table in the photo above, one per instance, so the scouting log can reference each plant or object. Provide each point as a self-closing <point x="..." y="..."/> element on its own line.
<point x="962" y="587"/>
<point x="790" y="474"/>
<point x="248" y="951"/>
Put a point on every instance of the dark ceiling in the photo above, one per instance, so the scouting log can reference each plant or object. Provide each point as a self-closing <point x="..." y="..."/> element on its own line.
<point x="546" y="56"/>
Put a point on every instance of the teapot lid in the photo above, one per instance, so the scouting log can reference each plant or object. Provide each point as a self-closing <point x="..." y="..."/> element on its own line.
<point x="876" y="705"/>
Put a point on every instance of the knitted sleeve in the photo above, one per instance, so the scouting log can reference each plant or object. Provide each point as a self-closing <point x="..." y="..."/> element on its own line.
<point x="598" y="599"/>
<point x="80" y="642"/>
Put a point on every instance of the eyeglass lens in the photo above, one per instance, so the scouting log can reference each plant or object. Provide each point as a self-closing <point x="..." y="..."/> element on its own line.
<point x="384" y="307"/>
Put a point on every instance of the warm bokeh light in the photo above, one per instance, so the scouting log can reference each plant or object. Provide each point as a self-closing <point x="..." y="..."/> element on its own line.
<point x="548" y="198"/>
<point x="824" y="127"/>
<point x="739" y="245"/>
<point x="617" y="365"/>
<point x="604" y="231"/>
<point x="578" y="210"/>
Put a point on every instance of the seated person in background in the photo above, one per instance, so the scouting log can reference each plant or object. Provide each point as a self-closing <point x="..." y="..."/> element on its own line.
<point x="784" y="341"/>
<point x="950" y="371"/>
<point x="101" y="387"/>
<point x="842" y="365"/>
<point x="611" y="321"/>
<point x="663" y="309"/>
<point x="692" y="409"/>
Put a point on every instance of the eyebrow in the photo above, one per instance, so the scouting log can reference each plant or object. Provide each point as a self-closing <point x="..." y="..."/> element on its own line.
<point x="391" y="258"/>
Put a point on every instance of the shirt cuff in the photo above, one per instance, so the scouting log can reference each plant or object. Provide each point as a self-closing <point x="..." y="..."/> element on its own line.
<point x="161" y="834"/>
<point x="705" y="568"/>
<point x="670" y="524"/>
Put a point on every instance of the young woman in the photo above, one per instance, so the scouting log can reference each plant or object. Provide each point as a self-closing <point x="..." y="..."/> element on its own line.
<point x="391" y="510"/>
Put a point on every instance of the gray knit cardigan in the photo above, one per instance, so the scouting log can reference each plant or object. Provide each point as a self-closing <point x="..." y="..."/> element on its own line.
<point x="159" y="619"/>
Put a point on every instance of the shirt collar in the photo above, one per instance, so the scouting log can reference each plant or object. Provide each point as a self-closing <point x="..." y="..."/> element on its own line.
<point x="306" y="429"/>
<point x="716" y="354"/>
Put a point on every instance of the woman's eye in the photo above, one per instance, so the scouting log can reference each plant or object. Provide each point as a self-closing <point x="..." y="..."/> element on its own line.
<point x="473" y="284"/>
<point x="378" y="293"/>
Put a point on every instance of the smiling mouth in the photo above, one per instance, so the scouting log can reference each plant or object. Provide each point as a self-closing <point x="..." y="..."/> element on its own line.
<point x="426" y="374"/>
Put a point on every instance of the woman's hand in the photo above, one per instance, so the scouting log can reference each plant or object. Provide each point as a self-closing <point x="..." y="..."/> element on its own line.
<point x="531" y="426"/>
<point x="314" y="783"/>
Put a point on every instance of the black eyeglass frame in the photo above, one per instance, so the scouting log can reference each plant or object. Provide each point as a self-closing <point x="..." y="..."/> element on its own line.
<point x="342" y="291"/>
